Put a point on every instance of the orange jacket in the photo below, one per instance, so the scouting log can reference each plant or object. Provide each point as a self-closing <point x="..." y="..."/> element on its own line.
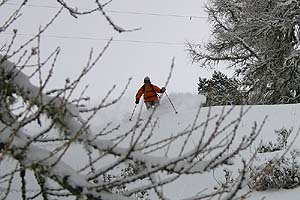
<point x="149" y="94"/>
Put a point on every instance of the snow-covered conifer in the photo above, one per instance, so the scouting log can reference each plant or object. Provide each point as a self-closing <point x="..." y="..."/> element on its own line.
<point x="260" y="40"/>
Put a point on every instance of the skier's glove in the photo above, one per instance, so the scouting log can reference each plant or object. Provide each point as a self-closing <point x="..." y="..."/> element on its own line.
<point x="163" y="89"/>
<point x="137" y="101"/>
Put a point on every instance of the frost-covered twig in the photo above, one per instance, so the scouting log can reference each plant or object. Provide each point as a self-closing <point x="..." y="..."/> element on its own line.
<point x="14" y="16"/>
<point x="110" y="21"/>
<point x="74" y="11"/>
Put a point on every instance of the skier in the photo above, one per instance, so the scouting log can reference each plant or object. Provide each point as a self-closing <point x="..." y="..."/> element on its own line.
<point x="150" y="93"/>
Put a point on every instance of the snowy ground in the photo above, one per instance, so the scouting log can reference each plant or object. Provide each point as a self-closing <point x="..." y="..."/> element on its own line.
<point x="278" y="116"/>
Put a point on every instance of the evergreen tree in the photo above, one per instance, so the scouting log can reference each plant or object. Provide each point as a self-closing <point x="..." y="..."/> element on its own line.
<point x="260" y="39"/>
<point x="221" y="90"/>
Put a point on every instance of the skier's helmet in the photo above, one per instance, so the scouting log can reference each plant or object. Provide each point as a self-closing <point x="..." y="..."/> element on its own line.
<point x="147" y="79"/>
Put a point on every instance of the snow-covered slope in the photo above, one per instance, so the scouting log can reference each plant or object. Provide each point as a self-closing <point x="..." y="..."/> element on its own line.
<point x="169" y="123"/>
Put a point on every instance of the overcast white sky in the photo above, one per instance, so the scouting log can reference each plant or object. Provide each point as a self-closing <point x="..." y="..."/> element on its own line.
<point x="161" y="38"/>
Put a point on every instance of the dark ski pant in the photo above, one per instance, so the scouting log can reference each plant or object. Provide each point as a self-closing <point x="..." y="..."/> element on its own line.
<point x="151" y="104"/>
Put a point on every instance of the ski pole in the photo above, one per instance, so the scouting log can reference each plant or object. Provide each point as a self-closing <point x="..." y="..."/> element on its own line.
<point x="132" y="112"/>
<point x="171" y="103"/>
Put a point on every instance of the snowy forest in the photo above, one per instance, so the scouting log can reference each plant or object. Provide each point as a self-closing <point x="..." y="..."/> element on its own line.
<point x="236" y="139"/>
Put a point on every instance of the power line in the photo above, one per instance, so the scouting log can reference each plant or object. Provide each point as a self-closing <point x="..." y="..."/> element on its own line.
<point x="157" y="14"/>
<point x="123" y="12"/>
<point x="100" y="39"/>
<point x="32" y="5"/>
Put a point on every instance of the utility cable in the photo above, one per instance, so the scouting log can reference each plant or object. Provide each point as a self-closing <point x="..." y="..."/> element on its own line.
<point x="122" y="12"/>
<point x="99" y="39"/>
